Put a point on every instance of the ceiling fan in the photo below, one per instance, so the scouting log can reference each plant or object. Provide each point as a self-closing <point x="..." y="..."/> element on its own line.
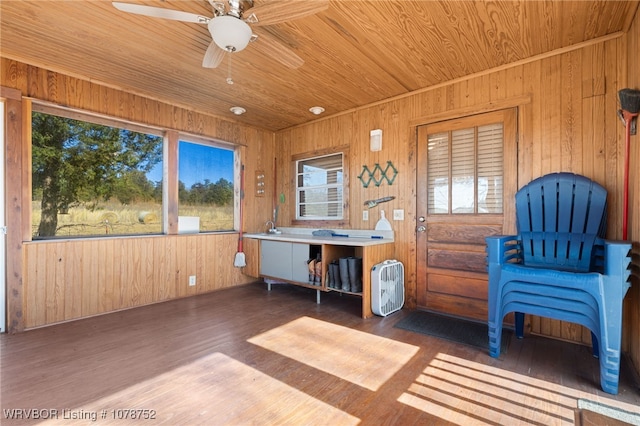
<point x="229" y="25"/>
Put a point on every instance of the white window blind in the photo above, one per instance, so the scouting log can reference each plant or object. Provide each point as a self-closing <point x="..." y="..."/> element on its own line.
<point x="319" y="184"/>
<point x="465" y="172"/>
<point x="490" y="169"/>
<point x="438" y="175"/>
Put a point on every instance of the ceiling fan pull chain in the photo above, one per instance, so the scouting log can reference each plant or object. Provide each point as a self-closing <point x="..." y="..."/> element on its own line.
<point x="229" y="79"/>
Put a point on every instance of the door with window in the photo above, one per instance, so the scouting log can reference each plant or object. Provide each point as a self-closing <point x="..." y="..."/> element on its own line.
<point x="466" y="183"/>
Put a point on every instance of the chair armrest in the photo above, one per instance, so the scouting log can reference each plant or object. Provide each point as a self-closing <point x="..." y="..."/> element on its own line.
<point x="503" y="249"/>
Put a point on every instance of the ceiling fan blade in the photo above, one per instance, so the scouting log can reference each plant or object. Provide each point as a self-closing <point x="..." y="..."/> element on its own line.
<point x="213" y="56"/>
<point x="158" y="12"/>
<point x="271" y="47"/>
<point x="276" y="11"/>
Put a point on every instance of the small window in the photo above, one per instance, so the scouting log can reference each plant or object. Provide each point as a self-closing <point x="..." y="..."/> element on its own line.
<point x="465" y="173"/>
<point x="93" y="176"/>
<point x="205" y="185"/>
<point x="319" y="187"/>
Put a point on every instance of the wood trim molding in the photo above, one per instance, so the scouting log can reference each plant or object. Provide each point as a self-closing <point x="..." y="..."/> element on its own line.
<point x="14" y="172"/>
<point x="93" y="117"/>
<point x="172" y="139"/>
<point x="321" y="152"/>
<point x="27" y="177"/>
<point x="9" y="93"/>
<point x="472" y="110"/>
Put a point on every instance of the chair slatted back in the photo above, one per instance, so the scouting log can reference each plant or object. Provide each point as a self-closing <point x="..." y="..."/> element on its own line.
<point x="559" y="217"/>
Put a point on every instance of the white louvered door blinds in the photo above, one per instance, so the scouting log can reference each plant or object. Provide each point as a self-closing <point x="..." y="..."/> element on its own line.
<point x="465" y="170"/>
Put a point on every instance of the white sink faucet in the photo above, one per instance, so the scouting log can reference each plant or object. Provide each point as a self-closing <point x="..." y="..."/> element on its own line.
<point x="272" y="229"/>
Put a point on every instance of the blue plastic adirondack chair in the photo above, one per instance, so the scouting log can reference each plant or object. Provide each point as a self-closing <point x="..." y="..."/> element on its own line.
<point x="559" y="266"/>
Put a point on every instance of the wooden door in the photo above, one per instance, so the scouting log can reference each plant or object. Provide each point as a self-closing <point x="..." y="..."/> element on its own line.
<point x="466" y="183"/>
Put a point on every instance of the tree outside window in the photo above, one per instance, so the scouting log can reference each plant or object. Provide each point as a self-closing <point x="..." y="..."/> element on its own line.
<point x="93" y="179"/>
<point x="205" y="184"/>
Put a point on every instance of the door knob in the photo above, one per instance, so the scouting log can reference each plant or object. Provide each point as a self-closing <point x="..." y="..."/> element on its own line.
<point x="421" y="228"/>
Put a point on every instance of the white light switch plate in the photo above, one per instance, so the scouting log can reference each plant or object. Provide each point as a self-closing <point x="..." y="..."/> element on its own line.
<point x="365" y="214"/>
<point x="398" y="214"/>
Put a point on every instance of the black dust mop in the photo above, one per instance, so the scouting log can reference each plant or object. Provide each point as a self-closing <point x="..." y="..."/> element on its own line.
<point x="630" y="106"/>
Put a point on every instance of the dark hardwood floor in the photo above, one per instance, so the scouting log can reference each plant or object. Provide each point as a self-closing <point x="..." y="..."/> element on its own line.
<point x="248" y="356"/>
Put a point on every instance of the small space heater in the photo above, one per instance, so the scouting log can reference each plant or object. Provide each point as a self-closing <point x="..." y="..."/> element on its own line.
<point x="387" y="287"/>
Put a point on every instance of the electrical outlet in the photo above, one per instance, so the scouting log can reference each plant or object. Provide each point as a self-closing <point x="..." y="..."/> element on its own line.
<point x="365" y="214"/>
<point x="398" y="214"/>
<point x="192" y="280"/>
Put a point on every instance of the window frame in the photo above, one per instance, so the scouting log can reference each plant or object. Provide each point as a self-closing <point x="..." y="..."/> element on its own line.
<point x="213" y="143"/>
<point x="338" y="222"/>
<point x="170" y="145"/>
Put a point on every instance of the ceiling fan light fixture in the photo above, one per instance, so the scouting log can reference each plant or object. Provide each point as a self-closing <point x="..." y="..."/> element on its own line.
<point x="229" y="33"/>
<point x="316" y="110"/>
<point x="237" y="110"/>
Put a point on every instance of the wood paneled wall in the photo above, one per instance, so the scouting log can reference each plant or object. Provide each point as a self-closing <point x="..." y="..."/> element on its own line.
<point x="52" y="281"/>
<point x="79" y="278"/>
<point x="567" y="118"/>
<point x="632" y="312"/>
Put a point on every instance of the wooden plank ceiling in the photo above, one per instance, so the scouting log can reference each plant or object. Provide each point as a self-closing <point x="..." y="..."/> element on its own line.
<point x="355" y="52"/>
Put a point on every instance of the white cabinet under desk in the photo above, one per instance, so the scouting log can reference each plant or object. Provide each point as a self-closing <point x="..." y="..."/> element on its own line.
<point x="284" y="257"/>
<point x="284" y="260"/>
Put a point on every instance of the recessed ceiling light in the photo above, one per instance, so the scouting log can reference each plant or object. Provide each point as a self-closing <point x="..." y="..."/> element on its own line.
<point x="317" y="110"/>
<point x="237" y="110"/>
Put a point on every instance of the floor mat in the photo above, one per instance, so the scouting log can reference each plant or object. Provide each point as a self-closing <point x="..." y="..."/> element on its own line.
<point x="595" y="413"/>
<point x="453" y="329"/>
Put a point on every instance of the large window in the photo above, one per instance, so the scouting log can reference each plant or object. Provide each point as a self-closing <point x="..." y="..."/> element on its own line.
<point x="319" y="188"/>
<point x="97" y="176"/>
<point x="465" y="170"/>
<point x="205" y="186"/>
<point x="93" y="177"/>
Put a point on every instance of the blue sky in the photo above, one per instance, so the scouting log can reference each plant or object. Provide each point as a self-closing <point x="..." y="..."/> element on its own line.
<point x="199" y="162"/>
